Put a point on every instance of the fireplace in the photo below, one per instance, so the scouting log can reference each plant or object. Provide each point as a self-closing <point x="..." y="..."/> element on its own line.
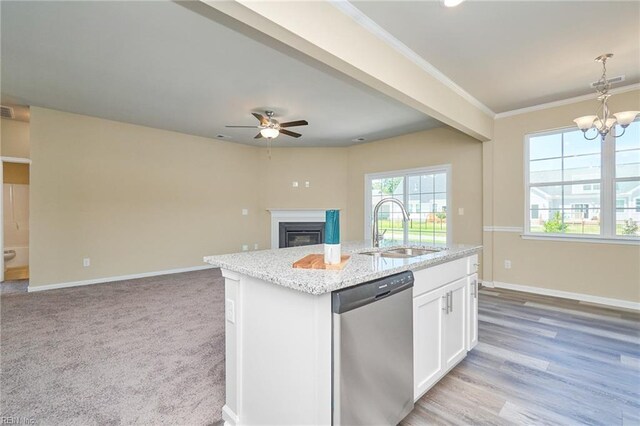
<point x="295" y="234"/>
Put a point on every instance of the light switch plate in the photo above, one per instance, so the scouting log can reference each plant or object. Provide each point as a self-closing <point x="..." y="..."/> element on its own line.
<point x="245" y="247"/>
<point x="461" y="211"/>
<point x="245" y="212"/>
<point x="307" y="184"/>
<point x="507" y="264"/>
<point x="294" y="184"/>
<point x="86" y="262"/>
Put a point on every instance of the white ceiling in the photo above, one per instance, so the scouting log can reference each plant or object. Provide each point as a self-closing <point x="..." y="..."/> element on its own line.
<point x="515" y="54"/>
<point x="162" y="65"/>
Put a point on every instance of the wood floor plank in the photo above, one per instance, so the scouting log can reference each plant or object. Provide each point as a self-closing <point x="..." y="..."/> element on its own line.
<point x="542" y="360"/>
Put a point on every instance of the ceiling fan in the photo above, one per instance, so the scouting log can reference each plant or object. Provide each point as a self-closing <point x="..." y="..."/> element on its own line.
<point x="270" y="128"/>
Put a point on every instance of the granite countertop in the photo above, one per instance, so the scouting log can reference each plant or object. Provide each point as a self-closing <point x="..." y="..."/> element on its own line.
<point x="276" y="265"/>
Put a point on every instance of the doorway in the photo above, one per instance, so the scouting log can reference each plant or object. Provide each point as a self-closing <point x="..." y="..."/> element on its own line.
<point x="15" y="220"/>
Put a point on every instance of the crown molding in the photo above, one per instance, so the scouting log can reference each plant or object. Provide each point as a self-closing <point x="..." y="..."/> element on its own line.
<point x="369" y="24"/>
<point x="554" y="104"/>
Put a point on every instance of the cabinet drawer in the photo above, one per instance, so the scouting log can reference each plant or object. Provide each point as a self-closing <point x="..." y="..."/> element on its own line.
<point x="436" y="276"/>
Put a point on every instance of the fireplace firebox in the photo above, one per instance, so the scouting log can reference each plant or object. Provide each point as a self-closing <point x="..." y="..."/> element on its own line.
<point x="295" y="234"/>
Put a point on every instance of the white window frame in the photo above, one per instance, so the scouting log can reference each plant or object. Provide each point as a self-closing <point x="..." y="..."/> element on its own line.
<point x="607" y="195"/>
<point x="368" y="208"/>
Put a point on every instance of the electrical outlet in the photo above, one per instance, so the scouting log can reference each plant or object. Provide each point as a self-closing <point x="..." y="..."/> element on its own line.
<point x="255" y="246"/>
<point x="461" y="211"/>
<point x="307" y="184"/>
<point x="507" y="264"/>
<point x="245" y="247"/>
<point x="245" y="212"/>
<point x="230" y="310"/>
<point x="86" y="262"/>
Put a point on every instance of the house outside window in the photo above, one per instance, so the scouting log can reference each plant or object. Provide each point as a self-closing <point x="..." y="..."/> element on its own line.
<point x="583" y="189"/>
<point x="425" y="192"/>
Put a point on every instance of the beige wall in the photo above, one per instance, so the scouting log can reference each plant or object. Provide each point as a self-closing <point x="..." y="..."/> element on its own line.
<point x="134" y="199"/>
<point x="428" y="148"/>
<point x="15" y="138"/>
<point x="324" y="168"/>
<point x="606" y="270"/>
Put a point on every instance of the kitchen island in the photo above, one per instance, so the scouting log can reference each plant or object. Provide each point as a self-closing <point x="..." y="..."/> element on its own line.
<point x="279" y="325"/>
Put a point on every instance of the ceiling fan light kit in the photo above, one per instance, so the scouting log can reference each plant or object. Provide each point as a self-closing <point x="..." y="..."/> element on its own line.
<point x="604" y="122"/>
<point x="270" y="128"/>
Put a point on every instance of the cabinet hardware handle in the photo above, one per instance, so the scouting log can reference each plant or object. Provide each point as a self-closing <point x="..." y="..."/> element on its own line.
<point x="451" y="299"/>
<point x="475" y="286"/>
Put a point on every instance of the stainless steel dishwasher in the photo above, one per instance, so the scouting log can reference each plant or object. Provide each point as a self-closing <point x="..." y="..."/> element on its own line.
<point x="372" y="382"/>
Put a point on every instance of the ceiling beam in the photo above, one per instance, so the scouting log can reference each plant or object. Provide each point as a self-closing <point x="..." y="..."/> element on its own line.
<point x="321" y="31"/>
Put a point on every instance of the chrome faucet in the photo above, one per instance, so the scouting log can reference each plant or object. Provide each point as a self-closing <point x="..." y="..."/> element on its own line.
<point x="375" y="234"/>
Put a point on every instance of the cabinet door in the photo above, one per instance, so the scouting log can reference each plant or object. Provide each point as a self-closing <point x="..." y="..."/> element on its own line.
<point x="472" y="323"/>
<point x="455" y="323"/>
<point x="428" y="365"/>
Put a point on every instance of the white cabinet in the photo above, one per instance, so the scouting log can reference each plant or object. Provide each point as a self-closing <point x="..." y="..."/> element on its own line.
<point x="455" y="323"/>
<point x="439" y="333"/>
<point x="472" y="322"/>
<point x="428" y="315"/>
<point x="445" y="319"/>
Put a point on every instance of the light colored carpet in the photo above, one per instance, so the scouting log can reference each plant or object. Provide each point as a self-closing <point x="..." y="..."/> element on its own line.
<point x="146" y="351"/>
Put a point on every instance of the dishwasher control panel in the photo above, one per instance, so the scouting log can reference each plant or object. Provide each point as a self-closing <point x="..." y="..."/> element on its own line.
<point x="365" y="293"/>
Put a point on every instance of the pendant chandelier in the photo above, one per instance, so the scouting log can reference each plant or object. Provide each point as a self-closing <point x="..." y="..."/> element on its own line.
<point x="604" y="122"/>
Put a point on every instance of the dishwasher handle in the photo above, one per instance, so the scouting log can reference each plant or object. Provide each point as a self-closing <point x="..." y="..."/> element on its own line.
<point x="354" y="297"/>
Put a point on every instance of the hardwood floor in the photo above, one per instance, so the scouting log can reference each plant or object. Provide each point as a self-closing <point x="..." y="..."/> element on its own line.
<point x="17" y="273"/>
<point x="542" y="360"/>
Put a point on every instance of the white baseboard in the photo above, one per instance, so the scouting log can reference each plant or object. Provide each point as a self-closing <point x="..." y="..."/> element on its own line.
<point x="618" y="303"/>
<point x="118" y="278"/>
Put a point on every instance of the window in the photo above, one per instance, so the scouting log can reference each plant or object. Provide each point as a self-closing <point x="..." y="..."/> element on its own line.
<point x="581" y="188"/>
<point x="425" y="194"/>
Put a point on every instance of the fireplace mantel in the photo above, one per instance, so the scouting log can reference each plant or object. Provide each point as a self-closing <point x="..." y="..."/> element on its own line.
<point x="292" y="215"/>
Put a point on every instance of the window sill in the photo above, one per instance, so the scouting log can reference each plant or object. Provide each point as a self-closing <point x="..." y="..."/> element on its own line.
<point x="575" y="238"/>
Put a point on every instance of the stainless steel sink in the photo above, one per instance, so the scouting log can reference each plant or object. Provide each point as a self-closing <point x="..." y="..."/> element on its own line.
<point x="401" y="253"/>
<point x="412" y="252"/>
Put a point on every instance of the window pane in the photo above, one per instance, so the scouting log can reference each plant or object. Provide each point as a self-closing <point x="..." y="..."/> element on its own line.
<point x="582" y="167"/>
<point x="582" y="220"/>
<point x="427" y="208"/>
<point x="440" y="183"/>
<point x="547" y="146"/>
<point x="388" y="186"/>
<point x="413" y="206"/>
<point x="545" y="171"/>
<point x="628" y="222"/>
<point x="627" y="207"/>
<point x="631" y="137"/>
<point x="576" y="144"/>
<point x="413" y="183"/>
<point x="628" y="163"/>
<point x="426" y="183"/>
<point x="546" y="197"/>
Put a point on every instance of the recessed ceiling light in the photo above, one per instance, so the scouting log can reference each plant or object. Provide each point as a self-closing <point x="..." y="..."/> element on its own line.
<point x="452" y="3"/>
<point x="221" y="136"/>
<point x="360" y="139"/>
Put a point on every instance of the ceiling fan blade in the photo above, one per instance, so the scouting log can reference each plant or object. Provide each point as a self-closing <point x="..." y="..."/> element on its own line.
<point x="290" y="133"/>
<point x="243" y="127"/>
<point x="258" y="136"/>
<point x="261" y="118"/>
<point x="294" y="123"/>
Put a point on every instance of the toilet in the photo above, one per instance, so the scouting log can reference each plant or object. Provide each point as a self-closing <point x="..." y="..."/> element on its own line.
<point x="9" y="254"/>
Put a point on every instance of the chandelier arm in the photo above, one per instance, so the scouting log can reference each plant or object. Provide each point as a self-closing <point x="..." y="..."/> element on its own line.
<point x="624" y="129"/>
<point x="594" y="137"/>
